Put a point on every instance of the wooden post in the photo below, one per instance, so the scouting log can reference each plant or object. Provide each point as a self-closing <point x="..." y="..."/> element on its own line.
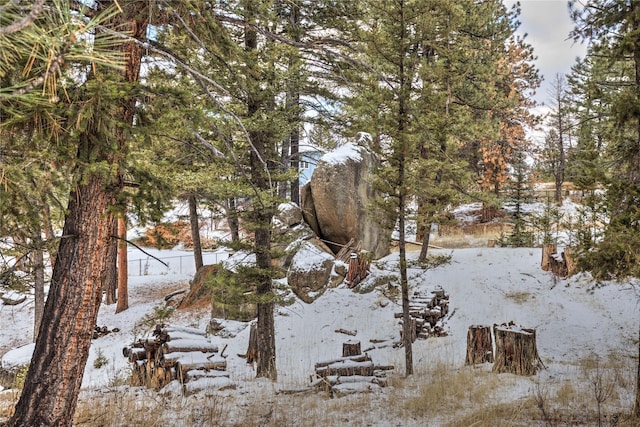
<point x="351" y="348"/>
<point x="516" y="350"/>
<point x="548" y="250"/>
<point x="479" y="345"/>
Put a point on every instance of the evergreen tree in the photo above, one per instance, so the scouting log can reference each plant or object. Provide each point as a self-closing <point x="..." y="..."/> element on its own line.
<point x="518" y="193"/>
<point x="559" y="138"/>
<point x="612" y="27"/>
<point x="90" y="114"/>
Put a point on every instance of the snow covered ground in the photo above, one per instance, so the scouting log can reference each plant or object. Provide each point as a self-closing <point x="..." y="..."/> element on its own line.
<point x="575" y="319"/>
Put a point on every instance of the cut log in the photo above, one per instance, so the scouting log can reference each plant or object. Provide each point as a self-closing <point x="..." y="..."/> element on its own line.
<point x="347" y="369"/>
<point x="351" y="348"/>
<point x="479" y="345"/>
<point x="516" y="350"/>
<point x="13" y="301"/>
<point x="343" y="254"/>
<point x="360" y="358"/>
<point x="547" y="252"/>
<point x="346" y="332"/>
<point x="184" y="346"/>
<point x="210" y="366"/>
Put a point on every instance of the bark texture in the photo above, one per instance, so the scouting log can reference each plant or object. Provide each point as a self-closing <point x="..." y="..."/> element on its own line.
<point x="55" y="374"/>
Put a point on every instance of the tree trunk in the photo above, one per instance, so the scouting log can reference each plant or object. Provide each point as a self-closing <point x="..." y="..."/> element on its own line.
<point x="195" y="231"/>
<point x="516" y="350"/>
<point x="49" y="235"/>
<point x="232" y="220"/>
<point x="50" y="393"/>
<point x="636" y="405"/>
<point x="38" y="269"/>
<point x="295" y="162"/>
<point x="55" y="373"/>
<point x="123" y="265"/>
<point x="424" y="250"/>
<point x="479" y="345"/>
<point x="293" y="95"/>
<point x="110" y="284"/>
<point x="261" y="160"/>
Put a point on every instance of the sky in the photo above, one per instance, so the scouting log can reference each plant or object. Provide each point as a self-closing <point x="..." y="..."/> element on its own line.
<point x="547" y="25"/>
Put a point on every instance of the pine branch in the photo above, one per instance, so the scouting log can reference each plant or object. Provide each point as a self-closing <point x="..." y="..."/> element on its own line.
<point x="24" y="22"/>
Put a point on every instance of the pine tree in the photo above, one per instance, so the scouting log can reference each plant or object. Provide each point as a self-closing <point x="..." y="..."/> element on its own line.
<point x="612" y="27"/>
<point x="91" y="113"/>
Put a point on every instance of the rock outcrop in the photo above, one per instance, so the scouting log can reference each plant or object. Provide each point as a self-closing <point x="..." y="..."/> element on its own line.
<point x="310" y="271"/>
<point x="336" y="202"/>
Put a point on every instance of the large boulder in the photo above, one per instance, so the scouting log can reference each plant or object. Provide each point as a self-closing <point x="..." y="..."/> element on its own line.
<point x="310" y="271"/>
<point x="336" y="203"/>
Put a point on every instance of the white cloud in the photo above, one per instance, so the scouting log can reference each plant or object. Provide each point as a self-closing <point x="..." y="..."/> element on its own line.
<point x="547" y="24"/>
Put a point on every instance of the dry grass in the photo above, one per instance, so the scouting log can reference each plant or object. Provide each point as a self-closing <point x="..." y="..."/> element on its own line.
<point x="8" y="399"/>
<point x="439" y="394"/>
<point x="519" y="297"/>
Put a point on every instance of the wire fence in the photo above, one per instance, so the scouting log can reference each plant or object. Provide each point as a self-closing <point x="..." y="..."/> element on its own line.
<point x="179" y="264"/>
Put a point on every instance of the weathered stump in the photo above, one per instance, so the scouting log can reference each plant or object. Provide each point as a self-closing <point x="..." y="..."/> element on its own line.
<point x="516" y="350"/>
<point x="479" y="345"/>
<point x="351" y="348"/>
<point x="547" y="252"/>
<point x="569" y="256"/>
<point x="252" y="349"/>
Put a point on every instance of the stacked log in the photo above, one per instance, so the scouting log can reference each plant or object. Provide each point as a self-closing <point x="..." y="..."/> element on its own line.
<point x="427" y="310"/>
<point x="173" y="353"/>
<point x="336" y="375"/>
<point x="101" y="331"/>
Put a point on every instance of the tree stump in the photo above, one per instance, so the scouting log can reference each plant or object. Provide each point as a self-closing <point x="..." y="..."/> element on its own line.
<point x="252" y="349"/>
<point x="351" y="348"/>
<point x="547" y="251"/>
<point x="516" y="350"/>
<point x="479" y="345"/>
<point x="570" y="260"/>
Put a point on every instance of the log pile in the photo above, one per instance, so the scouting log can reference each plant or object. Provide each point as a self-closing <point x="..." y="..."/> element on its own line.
<point x="427" y="310"/>
<point x="174" y="353"/>
<point x="101" y="331"/>
<point x="350" y="373"/>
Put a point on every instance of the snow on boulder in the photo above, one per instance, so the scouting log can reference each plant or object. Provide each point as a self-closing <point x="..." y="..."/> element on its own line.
<point x="310" y="270"/>
<point x="288" y="215"/>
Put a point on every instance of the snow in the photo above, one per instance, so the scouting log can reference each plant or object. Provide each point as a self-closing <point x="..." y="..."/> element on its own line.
<point x="348" y="151"/>
<point x="576" y="318"/>
<point x="309" y="257"/>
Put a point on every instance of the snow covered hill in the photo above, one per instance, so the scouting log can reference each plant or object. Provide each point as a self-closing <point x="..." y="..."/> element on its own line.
<point x="576" y="320"/>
